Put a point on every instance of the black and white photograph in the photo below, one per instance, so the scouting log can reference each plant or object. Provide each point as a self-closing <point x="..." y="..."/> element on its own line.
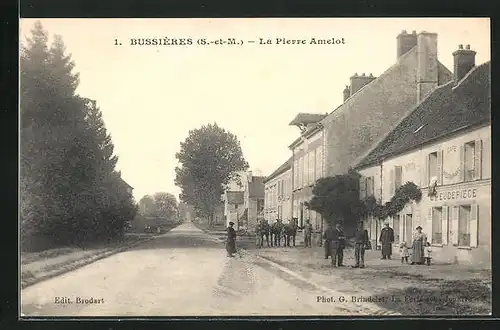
<point x="191" y="167"/>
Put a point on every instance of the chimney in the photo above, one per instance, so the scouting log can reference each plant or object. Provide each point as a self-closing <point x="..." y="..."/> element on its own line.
<point x="427" y="64"/>
<point x="406" y="42"/>
<point x="463" y="61"/>
<point x="347" y="93"/>
<point x="358" y="82"/>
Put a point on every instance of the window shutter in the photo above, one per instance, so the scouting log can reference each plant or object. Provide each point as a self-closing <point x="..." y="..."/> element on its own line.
<point x="362" y="187"/>
<point x="462" y="163"/>
<point x="444" y="225"/>
<point x="473" y="225"/>
<point x="391" y="183"/>
<point x="398" y="177"/>
<point x="425" y="171"/>
<point x="478" y="152"/>
<point x="440" y="167"/>
<point x="454" y="225"/>
<point x="429" y="224"/>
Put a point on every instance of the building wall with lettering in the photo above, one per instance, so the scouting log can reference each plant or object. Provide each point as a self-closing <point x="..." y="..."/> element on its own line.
<point x="457" y="215"/>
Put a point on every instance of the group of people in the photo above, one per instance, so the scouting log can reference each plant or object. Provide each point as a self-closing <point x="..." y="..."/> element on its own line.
<point x="421" y="248"/>
<point x="335" y="242"/>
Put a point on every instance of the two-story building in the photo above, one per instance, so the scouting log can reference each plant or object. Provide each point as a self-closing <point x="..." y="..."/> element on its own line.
<point x="444" y="147"/>
<point x="278" y="194"/>
<point x="307" y="167"/>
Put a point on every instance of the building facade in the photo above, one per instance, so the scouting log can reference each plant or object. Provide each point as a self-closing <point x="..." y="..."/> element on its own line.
<point x="278" y="194"/>
<point x="444" y="147"/>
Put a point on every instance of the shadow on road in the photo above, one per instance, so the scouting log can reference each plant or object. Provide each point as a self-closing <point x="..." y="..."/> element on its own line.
<point x="179" y="240"/>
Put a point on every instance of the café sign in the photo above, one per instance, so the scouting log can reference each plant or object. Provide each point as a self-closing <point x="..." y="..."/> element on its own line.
<point x="467" y="193"/>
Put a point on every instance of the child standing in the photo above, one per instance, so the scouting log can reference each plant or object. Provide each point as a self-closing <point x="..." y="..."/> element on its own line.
<point x="404" y="252"/>
<point x="428" y="253"/>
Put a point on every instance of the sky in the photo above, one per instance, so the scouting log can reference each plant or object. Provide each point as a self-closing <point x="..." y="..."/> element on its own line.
<point x="151" y="96"/>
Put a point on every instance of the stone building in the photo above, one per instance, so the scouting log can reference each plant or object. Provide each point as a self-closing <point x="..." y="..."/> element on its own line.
<point x="443" y="146"/>
<point x="278" y="194"/>
<point x="372" y="107"/>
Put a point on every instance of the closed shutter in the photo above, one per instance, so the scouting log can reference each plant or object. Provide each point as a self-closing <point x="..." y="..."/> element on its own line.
<point x="372" y="186"/>
<point x="398" y="177"/>
<point x="454" y="225"/>
<point x="444" y="226"/>
<point x="439" y="167"/>
<point x="478" y="159"/>
<point x="425" y="172"/>
<point x="473" y="225"/>
<point x="391" y="183"/>
<point x="429" y="224"/>
<point x="362" y="187"/>
<point x="462" y="163"/>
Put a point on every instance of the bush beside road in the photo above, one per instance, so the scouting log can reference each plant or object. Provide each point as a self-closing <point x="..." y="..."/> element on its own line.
<point x="37" y="267"/>
<point x="440" y="289"/>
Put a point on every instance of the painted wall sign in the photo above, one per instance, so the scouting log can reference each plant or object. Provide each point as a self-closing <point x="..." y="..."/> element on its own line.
<point x="451" y="149"/>
<point x="455" y="194"/>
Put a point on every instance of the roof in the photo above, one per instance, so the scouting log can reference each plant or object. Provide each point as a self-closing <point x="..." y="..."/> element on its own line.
<point x="235" y="197"/>
<point x="307" y="118"/>
<point x="446" y="110"/>
<point x="282" y="169"/>
<point x="256" y="187"/>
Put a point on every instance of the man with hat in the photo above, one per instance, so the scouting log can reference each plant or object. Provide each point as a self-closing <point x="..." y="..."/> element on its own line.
<point x="386" y="240"/>
<point x="231" y="240"/>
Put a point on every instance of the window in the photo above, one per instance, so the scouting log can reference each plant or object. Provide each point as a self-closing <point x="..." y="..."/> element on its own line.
<point x="395" y="227"/>
<point x="398" y="177"/>
<point x="296" y="173"/>
<point x="433" y="166"/>
<point x="303" y="165"/>
<point x="408" y="229"/>
<point x="464" y="217"/>
<point x="370" y="189"/>
<point x="312" y="156"/>
<point x="469" y="161"/>
<point x="319" y="163"/>
<point x="362" y="187"/>
<point x="437" y="225"/>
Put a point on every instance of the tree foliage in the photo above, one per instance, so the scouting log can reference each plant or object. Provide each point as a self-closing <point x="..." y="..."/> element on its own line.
<point x="337" y="198"/>
<point x="70" y="192"/>
<point x="160" y="205"/>
<point x="210" y="157"/>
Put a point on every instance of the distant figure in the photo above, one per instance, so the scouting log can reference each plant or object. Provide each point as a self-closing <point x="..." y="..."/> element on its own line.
<point x="403" y="248"/>
<point x="386" y="239"/>
<point x="428" y="253"/>
<point x="361" y="242"/>
<point x="231" y="240"/>
<point x="308" y="228"/>
<point x="258" y="236"/>
<point x="419" y="242"/>
<point x="340" y="245"/>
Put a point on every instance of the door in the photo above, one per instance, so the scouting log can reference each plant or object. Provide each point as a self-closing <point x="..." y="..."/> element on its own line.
<point x="408" y="228"/>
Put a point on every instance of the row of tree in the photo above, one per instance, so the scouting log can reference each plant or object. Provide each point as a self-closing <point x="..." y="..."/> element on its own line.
<point x="159" y="205"/>
<point x="69" y="189"/>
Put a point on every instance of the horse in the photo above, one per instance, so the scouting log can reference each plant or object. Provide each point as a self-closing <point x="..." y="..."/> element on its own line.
<point x="276" y="232"/>
<point x="290" y="230"/>
<point x="265" y="229"/>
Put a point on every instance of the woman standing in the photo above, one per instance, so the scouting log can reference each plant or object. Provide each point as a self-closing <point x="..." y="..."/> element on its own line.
<point x="231" y="240"/>
<point x="419" y="242"/>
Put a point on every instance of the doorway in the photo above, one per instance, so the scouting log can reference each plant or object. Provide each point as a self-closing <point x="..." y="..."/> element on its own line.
<point x="408" y="228"/>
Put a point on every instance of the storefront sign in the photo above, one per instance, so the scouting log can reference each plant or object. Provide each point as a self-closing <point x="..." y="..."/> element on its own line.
<point x="455" y="194"/>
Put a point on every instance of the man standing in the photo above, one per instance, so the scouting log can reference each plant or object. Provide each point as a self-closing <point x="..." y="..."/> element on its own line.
<point x="266" y="228"/>
<point x="231" y="240"/>
<point x="258" y="234"/>
<point x="386" y="240"/>
<point x="361" y="241"/>
<point x="308" y="234"/>
<point x="340" y="245"/>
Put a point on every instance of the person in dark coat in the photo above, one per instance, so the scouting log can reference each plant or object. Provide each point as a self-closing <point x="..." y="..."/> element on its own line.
<point x="340" y="245"/>
<point x="231" y="240"/>
<point x="308" y="228"/>
<point x="331" y="238"/>
<point x="361" y="242"/>
<point x="386" y="240"/>
<point x="327" y="235"/>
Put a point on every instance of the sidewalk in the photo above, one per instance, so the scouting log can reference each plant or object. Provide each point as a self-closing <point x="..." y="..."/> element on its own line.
<point x="402" y="288"/>
<point x="39" y="266"/>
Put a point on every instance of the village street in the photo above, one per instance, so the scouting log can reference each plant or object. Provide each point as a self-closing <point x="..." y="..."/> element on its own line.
<point x="182" y="273"/>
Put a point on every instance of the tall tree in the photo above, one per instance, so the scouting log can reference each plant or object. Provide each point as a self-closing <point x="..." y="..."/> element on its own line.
<point x="166" y="205"/>
<point x="147" y="205"/>
<point x="210" y="157"/>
